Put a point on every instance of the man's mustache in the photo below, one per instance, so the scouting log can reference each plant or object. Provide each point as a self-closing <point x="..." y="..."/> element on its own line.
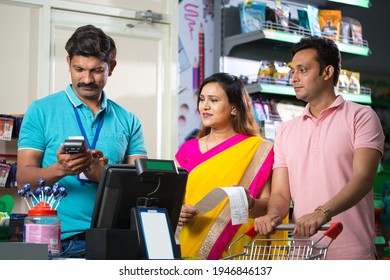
<point x="92" y="85"/>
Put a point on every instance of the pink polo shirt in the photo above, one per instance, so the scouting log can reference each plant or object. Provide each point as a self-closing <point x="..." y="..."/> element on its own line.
<point x="318" y="153"/>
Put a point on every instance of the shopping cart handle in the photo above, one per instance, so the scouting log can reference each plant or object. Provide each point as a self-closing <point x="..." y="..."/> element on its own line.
<point x="332" y="229"/>
<point x="335" y="229"/>
<point x="292" y="226"/>
<point x="251" y="232"/>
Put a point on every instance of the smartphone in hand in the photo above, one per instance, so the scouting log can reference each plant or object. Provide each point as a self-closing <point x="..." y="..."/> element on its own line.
<point x="74" y="146"/>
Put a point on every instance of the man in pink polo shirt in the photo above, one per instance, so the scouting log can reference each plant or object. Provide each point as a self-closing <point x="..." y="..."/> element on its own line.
<point x="326" y="160"/>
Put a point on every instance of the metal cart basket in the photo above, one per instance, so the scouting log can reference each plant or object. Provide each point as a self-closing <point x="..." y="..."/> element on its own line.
<point x="289" y="248"/>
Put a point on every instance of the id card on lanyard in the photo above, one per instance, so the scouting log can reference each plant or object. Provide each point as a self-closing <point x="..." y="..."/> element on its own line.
<point x="81" y="177"/>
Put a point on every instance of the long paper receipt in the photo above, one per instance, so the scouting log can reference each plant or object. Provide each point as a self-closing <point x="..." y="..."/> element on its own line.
<point x="237" y="200"/>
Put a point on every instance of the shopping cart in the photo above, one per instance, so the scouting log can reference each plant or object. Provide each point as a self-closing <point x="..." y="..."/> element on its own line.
<point x="288" y="248"/>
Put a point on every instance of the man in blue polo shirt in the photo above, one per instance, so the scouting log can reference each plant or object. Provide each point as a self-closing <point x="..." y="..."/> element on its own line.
<point x="112" y="135"/>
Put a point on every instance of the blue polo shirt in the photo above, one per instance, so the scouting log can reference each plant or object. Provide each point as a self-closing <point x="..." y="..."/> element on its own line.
<point x="51" y="120"/>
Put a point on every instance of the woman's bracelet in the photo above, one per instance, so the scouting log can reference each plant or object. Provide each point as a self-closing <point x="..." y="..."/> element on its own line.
<point x="326" y="212"/>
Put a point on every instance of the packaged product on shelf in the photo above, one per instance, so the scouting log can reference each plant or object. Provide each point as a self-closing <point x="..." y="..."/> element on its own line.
<point x="289" y="109"/>
<point x="260" y="113"/>
<point x="351" y="31"/>
<point x="282" y="12"/>
<point x="349" y="81"/>
<point x="345" y="30"/>
<point x="303" y="18"/>
<point x="271" y="125"/>
<point x="252" y="15"/>
<point x="4" y="219"/>
<point x="270" y="16"/>
<point x="282" y="73"/>
<point x="6" y="126"/>
<point x="356" y="32"/>
<point x="11" y="179"/>
<point x="330" y="21"/>
<point x="267" y="116"/>
<point x="270" y="130"/>
<point x="343" y="82"/>
<point x="4" y="226"/>
<point x="312" y="15"/>
<point x="16" y="224"/>
<point x="354" y="83"/>
<point x="4" y="171"/>
<point x="18" y="119"/>
<point x="266" y="71"/>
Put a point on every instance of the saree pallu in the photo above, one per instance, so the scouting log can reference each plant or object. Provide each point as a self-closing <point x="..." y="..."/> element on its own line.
<point x="241" y="160"/>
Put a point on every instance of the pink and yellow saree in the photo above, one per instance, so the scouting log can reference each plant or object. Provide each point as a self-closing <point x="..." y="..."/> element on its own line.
<point x="241" y="160"/>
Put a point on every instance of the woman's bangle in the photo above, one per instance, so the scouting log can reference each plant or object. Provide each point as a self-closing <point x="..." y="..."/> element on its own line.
<point x="326" y="212"/>
<point x="253" y="201"/>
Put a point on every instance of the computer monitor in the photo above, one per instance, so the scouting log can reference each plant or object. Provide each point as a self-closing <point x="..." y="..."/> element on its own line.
<point x="125" y="186"/>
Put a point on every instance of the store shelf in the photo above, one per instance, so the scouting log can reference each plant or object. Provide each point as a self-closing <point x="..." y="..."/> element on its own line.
<point x="359" y="98"/>
<point x="359" y="3"/>
<point x="253" y="88"/>
<point x="275" y="32"/>
<point x="273" y="36"/>
<point x="289" y="90"/>
<point x="354" y="49"/>
<point x="277" y="89"/>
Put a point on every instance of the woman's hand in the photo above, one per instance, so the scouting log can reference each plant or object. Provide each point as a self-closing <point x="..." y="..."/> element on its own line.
<point x="266" y="224"/>
<point x="187" y="213"/>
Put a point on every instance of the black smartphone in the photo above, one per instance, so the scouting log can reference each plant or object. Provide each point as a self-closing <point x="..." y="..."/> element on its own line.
<point x="74" y="146"/>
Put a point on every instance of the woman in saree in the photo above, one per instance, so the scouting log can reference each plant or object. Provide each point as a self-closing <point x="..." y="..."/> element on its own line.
<point x="227" y="152"/>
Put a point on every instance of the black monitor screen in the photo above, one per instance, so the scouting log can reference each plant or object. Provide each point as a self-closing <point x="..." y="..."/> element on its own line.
<point x="120" y="187"/>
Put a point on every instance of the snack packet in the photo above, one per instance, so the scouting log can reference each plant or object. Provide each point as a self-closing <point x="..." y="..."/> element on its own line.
<point x="354" y="83"/>
<point x="312" y="15"/>
<point x="330" y="21"/>
<point x="282" y="12"/>
<point x="282" y="73"/>
<point x="252" y="15"/>
<point x="345" y="30"/>
<point x="303" y="19"/>
<point x="343" y="82"/>
<point x="356" y="31"/>
<point x="266" y="71"/>
<point x="4" y="219"/>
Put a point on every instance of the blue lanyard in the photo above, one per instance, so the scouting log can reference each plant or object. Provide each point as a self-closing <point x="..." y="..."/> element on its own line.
<point x="100" y="124"/>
